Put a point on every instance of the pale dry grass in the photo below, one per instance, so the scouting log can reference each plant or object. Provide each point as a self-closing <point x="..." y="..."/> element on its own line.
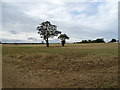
<point x="76" y="65"/>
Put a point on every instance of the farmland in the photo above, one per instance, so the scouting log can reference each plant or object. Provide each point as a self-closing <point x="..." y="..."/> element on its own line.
<point x="72" y="66"/>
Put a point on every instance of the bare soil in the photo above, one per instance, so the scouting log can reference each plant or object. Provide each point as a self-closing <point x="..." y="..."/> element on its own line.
<point x="60" y="70"/>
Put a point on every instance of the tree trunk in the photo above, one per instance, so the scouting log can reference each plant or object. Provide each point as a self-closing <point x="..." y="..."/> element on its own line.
<point x="47" y="43"/>
<point x="63" y="43"/>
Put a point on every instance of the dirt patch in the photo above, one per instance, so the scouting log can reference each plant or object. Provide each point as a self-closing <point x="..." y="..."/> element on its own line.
<point x="73" y="69"/>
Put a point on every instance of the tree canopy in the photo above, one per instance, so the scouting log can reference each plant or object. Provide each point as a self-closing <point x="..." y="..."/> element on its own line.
<point x="98" y="40"/>
<point x="113" y="40"/>
<point x="47" y="30"/>
<point x="63" y="37"/>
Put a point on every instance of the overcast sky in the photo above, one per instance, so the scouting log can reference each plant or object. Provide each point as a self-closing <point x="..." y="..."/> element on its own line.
<point x="79" y="20"/>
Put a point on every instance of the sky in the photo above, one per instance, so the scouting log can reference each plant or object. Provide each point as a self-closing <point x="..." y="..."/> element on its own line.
<point x="79" y="20"/>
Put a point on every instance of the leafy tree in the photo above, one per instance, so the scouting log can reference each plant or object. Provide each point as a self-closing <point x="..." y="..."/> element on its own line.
<point x="47" y="30"/>
<point x="84" y="41"/>
<point x="63" y="37"/>
<point x="100" y="40"/>
<point x="89" y="41"/>
<point x="113" y="40"/>
<point x="93" y="41"/>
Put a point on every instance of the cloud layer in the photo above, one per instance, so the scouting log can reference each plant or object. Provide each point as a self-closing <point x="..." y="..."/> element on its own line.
<point x="79" y="20"/>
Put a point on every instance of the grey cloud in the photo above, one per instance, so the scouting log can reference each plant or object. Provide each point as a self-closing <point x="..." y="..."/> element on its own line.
<point x="33" y="39"/>
<point x="0" y="15"/>
<point x="13" y="41"/>
<point x="119" y="20"/>
<point x="13" y="32"/>
<point x="14" y="19"/>
<point x="54" y="41"/>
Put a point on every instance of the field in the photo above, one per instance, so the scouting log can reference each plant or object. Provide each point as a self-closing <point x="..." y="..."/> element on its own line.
<point x="72" y="66"/>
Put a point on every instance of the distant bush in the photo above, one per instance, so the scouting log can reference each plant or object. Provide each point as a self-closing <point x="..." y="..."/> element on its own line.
<point x="113" y="40"/>
<point x="98" y="40"/>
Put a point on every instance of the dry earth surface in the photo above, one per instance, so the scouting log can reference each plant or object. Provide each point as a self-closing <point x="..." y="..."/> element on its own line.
<point x="72" y="66"/>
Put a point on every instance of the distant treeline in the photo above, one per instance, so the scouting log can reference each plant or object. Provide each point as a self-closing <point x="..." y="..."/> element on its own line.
<point x="21" y="43"/>
<point x="26" y="43"/>
<point x="98" y="40"/>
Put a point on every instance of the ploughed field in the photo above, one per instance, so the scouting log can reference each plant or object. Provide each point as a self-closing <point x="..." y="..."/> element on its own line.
<point x="72" y="66"/>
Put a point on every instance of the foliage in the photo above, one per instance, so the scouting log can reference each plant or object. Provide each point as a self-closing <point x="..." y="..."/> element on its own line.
<point x="98" y="40"/>
<point x="47" y="30"/>
<point x="63" y="37"/>
<point x="113" y="40"/>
